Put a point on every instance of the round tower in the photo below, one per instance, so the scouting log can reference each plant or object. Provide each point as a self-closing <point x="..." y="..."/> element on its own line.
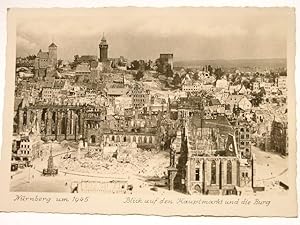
<point x="103" y="48"/>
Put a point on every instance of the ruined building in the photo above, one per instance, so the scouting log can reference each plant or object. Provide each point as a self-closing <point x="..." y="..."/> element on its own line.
<point x="210" y="160"/>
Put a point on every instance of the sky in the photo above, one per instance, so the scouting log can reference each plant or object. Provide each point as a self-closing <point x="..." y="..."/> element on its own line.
<point x="144" y="33"/>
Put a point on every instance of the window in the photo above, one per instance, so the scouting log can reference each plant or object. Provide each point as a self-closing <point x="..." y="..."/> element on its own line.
<point x="242" y="136"/>
<point x="242" y="129"/>
<point x="213" y="173"/>
<point x="246" y="174"/>
<point x="242" y="143"/>
<point x="243" y="174"/>
<point x="197" y="178"/>
<point x="247" y="136"/>
<point x="229" y="172"/>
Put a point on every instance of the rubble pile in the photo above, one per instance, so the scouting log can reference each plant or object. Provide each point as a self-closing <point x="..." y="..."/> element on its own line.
<point x="135" y="162"/>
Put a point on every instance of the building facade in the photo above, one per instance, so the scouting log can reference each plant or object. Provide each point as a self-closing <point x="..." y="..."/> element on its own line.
<point x="209" y="161"/>
<point x="45" y="62"/>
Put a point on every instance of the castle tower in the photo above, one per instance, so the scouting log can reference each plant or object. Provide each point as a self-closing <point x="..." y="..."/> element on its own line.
<point x="103" y="48"/>
<point x="53" y="55"/>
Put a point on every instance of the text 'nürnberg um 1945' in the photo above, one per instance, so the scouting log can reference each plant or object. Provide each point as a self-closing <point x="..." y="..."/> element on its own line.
<point x="74" y="199"/>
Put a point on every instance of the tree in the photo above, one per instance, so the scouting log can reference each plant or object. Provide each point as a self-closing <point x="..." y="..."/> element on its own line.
<point x="148" y="65"/>
<point x="219" y="73"/>
<point x="246" y="83"/>
<point x="75" y="62"/>
<point x="169" y="71"/>
<point x="283" y="73"/>
<point x="176" y="80"/>
<point x="139" y="75"/>
<point x="135" y="65"/>
<point x="210" y="69"/>
<point x="160" y="66"/>
<point x="257" y="98"/>
<point x="31" y="57"/>
<point x="196" y="76"/>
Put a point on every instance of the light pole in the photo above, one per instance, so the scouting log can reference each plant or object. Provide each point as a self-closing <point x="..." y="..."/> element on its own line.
<point x="29" y="174"/>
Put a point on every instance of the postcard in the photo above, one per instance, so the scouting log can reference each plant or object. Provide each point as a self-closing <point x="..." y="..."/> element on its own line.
<point x="184" y="111"/>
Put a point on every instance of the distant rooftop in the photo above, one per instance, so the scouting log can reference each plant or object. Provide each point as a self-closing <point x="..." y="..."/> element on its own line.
<point x="52" y="45"/>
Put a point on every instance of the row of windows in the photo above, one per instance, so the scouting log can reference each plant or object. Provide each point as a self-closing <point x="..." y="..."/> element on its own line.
<point x="245" y="174"/>
<point x="24" y="152"/>
<point x="247" y="136"/>
<point x="25" y="146"/>
<point x="243" y="143"/>
<point x="243" y="130"/>
<point x="214" y="173"/>
<point x="134" y="139"/>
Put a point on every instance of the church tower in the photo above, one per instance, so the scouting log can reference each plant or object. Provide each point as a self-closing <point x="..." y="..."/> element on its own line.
<point x="53" y="55"/>
<point x="103" y="48"/>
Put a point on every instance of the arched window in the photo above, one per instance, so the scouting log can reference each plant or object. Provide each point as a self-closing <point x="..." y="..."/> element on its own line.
<point x="134" y="139"/>
<point x="229" y="172"/>
<point x="113" y="138"/>
<point x="197" y="174"/>
<point x="150" y="139"/>
<point x="213" y="173"/>
<point x="145" y="139"/>
<point x="93" y="139"/>
<point x="118" y="139"/>
<point x="124" y="139"/>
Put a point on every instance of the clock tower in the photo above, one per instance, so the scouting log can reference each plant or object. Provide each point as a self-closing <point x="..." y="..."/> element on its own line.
<point x="103" y="48"/>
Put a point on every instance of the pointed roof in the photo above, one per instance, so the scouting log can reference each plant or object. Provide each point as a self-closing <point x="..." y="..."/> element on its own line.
<point x="103" y="40"/>
<point x="53" y="45"/>
<point x="103" y="37"/>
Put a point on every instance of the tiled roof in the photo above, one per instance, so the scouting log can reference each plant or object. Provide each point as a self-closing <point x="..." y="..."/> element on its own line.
<point x="42" y="55"/>
<point x="233" y="99"/>
<point x="214" y="101"/>
<point x="116" y="91"/>
<point x="82" y="68"/>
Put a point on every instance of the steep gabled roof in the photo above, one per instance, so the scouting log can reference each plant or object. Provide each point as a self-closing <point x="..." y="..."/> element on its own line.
<point x="42" y="55"/>
<point x="52" y="45"/>
<point x="214" y="101"/>
<point x="234" y="99"/>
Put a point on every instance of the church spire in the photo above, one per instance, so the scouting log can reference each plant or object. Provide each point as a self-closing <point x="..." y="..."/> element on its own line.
<point x="103" y="37"/>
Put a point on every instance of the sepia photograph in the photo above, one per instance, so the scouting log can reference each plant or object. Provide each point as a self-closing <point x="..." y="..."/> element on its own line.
<point x="180" y="102"/>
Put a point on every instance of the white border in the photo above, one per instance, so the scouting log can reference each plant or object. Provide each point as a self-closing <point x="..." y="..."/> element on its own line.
<point x="45" y="219"/>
